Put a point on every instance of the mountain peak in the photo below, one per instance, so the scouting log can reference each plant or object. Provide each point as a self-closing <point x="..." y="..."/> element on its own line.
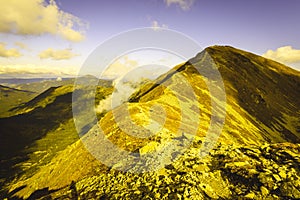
<point x="227" y="52"/>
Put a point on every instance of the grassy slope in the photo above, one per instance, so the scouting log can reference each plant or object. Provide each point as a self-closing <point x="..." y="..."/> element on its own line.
<point x="265" y="90"/>
<point x="43" y="127"/>
<point x="10" y="98"/>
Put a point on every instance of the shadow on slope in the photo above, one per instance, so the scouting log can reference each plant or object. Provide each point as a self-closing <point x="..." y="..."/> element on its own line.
<point x="267" y="90"/>
<point x="44" y="127"/>
<point x="11" y="97"/>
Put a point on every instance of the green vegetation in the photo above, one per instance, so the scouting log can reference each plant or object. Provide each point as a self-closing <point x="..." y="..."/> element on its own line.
<point x="10" y="98"/>
<point x="43" y="127"/>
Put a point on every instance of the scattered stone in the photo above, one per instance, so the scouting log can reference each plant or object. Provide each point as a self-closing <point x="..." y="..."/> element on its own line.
<point x="276" y="177"/>
<point x="289" y="190"/>
<point x="282" y="174"/>
<point x="226" y="173"/>
<point x="208" y="190"/>
<point x="264" y="191"/>
<point x="250" y="195"/>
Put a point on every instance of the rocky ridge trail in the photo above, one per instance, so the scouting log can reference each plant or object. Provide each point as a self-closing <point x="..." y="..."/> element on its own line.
<point x="231" y="172"/>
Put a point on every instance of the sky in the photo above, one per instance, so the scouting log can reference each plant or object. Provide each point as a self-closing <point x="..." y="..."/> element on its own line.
<point x="56" y="37"/>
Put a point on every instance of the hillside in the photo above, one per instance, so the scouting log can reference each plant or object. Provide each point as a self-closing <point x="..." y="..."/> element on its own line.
<point x="257" y="92"/>
<point x="255" y="157"/>
<point x="11" y="97"/>
<point x="39" y="129"/>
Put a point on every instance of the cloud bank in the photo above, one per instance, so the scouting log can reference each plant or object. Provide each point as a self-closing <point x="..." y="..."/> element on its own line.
<point x="4" y="52"/>
<point x="183" y="4"/>
<point x="286" y="55"/>
<point x="64" y="54"/>
<point x="30" y="70"/>
<point x="36" y="17"/>
<point x="128" y="75"/>
<point x="120" y="67"/>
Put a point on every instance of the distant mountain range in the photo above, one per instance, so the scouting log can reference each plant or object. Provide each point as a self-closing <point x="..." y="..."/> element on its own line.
<point x="257" y="155"/>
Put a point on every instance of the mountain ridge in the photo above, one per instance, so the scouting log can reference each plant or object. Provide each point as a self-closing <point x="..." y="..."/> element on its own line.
<point x="254" y="157"/>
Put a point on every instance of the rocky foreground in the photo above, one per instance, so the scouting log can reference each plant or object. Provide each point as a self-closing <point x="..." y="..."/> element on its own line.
<point x="231" y="172"/>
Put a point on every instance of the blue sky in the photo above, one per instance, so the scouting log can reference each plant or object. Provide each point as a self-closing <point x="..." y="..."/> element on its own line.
<point x="67" y="31"/>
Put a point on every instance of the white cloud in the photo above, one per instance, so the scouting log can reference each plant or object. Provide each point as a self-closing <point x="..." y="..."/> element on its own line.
<point x="128" y="73"/>
<point x="36" y="17"/>
<point x="120" y="67"/>
<point x="156" y="26"/>
<point x="4" y="52"/>
<point x="117" y="70"/>
<point x="183" y="4"/>
<point x="64" y="54"/>
<point x="36" y="70"/>
<point x="286" y="55"/>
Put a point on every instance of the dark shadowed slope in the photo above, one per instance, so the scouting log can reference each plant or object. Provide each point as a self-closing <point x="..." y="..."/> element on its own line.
<point x="41" y="128"/>
<point x="11" y="97"/>
<point x="268" y="91"/>
<point x="35" y="119"/>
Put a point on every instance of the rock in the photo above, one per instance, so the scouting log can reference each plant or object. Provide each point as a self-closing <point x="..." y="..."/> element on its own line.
<point x="170" y="167"/>
<point x="186" y="193"/>
<point x="264" y="191"/>
<point x="282" y="174"/>
<point x="289" y="190"/>
<point x="208" y="190"/>
<point x="276" y="177"/>
<point x="151" y="146"/>
<point x="266" y="180"/>
<point x="236" y="164"/>
<point x="157" y="195"/>
<point x="274" y="196"/>
<point x="201" y="168"/>
<point x="250" y="195"/>
<point x="179" y="196"/>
